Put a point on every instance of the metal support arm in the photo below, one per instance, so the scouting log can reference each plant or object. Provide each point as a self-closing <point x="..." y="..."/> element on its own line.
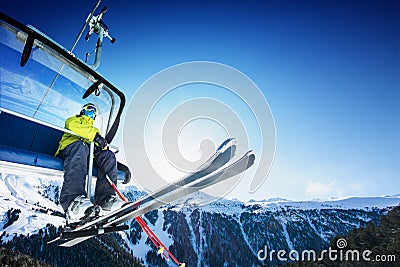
<point x="90" y="171"/>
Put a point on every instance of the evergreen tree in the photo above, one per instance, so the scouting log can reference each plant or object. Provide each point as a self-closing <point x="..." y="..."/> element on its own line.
<point x="382" y="239"/>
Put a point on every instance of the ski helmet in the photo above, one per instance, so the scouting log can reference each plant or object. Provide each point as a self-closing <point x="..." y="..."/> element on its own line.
<point x="89" y="110"/>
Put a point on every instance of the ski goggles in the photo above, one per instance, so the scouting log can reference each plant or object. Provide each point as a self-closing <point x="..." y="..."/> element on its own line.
<point x="90" y="110"/>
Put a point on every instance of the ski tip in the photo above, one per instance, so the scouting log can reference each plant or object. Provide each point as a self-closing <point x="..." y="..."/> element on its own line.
<point x="251" y="158"/>
<point x="226" y="143"/>
<point x="64" y="245"/>
<point x="251" y="153"/>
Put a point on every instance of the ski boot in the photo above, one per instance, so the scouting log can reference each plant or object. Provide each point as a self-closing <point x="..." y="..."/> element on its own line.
<point x="81" y="211"/>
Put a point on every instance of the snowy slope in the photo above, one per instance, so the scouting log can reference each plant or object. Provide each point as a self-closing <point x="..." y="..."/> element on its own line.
<point x="236" y="207"/>
<point x="34" y="197"/>
<point x="275" y="223"/>
<point x="28" y="204"/>
<point x="37" y="199"/>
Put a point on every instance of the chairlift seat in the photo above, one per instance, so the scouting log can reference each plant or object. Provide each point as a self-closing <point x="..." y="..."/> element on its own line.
<point x="30" y="143"/>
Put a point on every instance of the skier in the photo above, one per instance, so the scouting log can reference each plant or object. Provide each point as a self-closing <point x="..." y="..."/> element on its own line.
<point x="75" y="152"/>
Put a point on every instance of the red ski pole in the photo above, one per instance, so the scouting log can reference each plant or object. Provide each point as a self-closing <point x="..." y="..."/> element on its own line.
<point x="160" y="247"/>
<point x="157" y="242"/>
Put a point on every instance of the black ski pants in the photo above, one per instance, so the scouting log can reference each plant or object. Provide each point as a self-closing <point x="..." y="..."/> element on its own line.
<point x="76" y="156"/>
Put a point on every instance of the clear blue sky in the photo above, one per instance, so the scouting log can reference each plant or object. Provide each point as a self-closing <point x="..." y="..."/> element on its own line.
<point x="329" y="70"/>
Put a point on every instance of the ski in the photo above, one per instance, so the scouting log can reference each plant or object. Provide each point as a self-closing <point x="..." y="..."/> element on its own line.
<point x="93" y="232"/>
<point x="222" y="174"/>
<point x="222" y="155"/>
<point x="235" y="168"/>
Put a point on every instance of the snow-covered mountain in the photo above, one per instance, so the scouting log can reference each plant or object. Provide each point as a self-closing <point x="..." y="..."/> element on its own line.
<point x="223" y="233"/>
<point x="28" y="204"/>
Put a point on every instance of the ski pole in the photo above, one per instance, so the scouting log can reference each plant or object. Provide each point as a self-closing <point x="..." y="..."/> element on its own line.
<point x="121" y="196"/>
<point x="139" y="219"/>
<point x="162" y="248"/>
<point x="148" y="231"/>
<point x="143" y="225"/>
<point x="161" y="244"/>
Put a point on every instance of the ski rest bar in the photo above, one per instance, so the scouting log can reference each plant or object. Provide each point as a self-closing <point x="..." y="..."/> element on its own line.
<point x="93" y="232"/>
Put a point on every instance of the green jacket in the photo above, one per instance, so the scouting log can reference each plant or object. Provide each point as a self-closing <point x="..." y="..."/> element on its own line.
<point x="81" y="125"/>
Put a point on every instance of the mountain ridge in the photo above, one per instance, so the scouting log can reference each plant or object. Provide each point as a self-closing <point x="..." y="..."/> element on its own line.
<point x="213" y="234"/>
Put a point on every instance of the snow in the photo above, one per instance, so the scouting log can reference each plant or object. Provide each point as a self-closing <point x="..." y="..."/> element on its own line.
<point x="283" y="222"/>
<point x="140" y="250"/>
<point x="35" y="195"/>
<point x="246" y="239"/>
<point x="192" y="238"/>
<point x="341" y="203"/>
<point x="236" y="207"/>
<point x="164" y="237"/>
<point x="321" y="234"/>
<point x="22" y="193"/>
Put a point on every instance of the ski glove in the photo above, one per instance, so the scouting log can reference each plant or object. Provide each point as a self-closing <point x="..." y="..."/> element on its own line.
<point x="101" y="142"/>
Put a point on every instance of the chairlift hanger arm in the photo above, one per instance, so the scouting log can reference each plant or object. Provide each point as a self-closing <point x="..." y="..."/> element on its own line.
<point x="69" y="57"/>
<point x="97" y="25"/>
<point x="94" y="87"/>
